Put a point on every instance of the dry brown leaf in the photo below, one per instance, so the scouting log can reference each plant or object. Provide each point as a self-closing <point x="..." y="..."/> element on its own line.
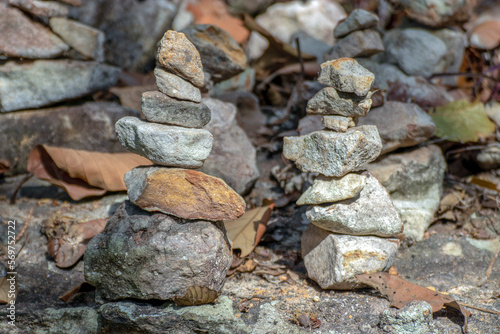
<point x="400" y="292"/>
<point x="215" y="12"/>
<point x="484" y="183"/>
<point x="4" y="165"/>
<point x="82" y="173"/>
<point x="6" y="293"/>
<point x="246" y="231"/>
<point x="68" y="239"/>
<point x="82" y="287"/>
<point x="249" y="266"/>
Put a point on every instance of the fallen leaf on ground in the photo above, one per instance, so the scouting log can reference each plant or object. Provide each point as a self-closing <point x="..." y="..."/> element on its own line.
<point x="462" y="121"/>
<point x="68" y="239"/>
<point x="4" y="166"/>
<point x="400" y="292"/>
<point x="82" y="173"/>
<point x="246" y="231"/>
<point x="82" y="287"/>
<point x="484" y="183"/>
<point x="215" y="12"/>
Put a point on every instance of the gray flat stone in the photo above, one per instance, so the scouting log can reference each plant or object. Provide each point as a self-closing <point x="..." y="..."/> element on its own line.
<point x="362" y="43"/>
<point x="165" y="145"/>
<point x="127" y="316"/>
<point x="400" y="124"/>
<point x="88" y="41"/>
<point x="329" y="101"/>
<point x="333" y="260"/>
<point x="220" y="55"/>
<point x="338" y="123"/>
<point x="414" y="318"/>
<point x="178" y="55"/>
<point x="176" y="87"/>
<point x="155" y="256"/>
<point x="23" y="38"/>
<point x="357" y="20"/>
<point x="328" y="190"/>
<point x="346" y="75"/>
<point x="160" y="108"/>
<point x="415" y="181"/>
<point x="333" y="153"/>
<point x="44" y="82"/>
<point x="371" y="213"/>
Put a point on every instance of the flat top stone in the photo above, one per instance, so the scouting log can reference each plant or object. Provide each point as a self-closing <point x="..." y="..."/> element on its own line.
<point x="358" y="19"/>
<point x="346" y="75"/>
<point x="183" y="193"/>
<point x="178" y="55"/>
<point x="329" y="101"/>
<point x="22" y="38"/>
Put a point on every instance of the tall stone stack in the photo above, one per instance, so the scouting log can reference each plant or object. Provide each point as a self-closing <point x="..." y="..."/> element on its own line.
<point x="168" y="242"/>
<point x="352" y="216"/>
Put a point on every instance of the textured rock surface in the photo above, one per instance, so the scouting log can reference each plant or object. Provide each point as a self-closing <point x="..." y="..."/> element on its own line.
<point x="357" y="20"/>
<point x="175" y="86"/>
<point x="23" y="38"/>
<point x="87" y="40"/>
<point x="131" y="38"/>
<point x="416" y="51"/>
<point x="331" y="102"/>
<point x="139" y="252"/>
<point x="331" y="153"/>
<point x="334" y="260"/>
<point x="437" y="13"/>
<point x="371" y="213"/>
<point x="338" y="123"/>
<point x="327" y="189"/>
<point x="160" y="108"/>
<point x="400" y="124"/>
<point x="183" y="193"/>
<point x="86" y="127"/>
<point x="178" y="55"/>
<point x="128" y="316"/>
<point x="363" y="43"/>
<point x="220" y="55"/>
<point x="42" y="9"/>
<point x="43" y="82"/>
<point x="346" y="75"/>
<point x="414" y="318"/>
<point x="166" y="145"/>
<point x="414" y="181"/>
<point x="233" y="157"/>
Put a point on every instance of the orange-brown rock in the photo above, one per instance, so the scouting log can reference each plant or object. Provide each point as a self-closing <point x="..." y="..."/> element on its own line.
<point x="183" y="193"/>
<point x="178" y="55"/>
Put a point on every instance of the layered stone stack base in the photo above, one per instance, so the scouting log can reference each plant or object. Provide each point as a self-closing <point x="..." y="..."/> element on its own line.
<point x="353" y="218"/>
<point x="168" y="241"/>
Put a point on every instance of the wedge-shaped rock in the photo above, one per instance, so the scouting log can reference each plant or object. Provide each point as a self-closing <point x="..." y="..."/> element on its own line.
<point x="221" y="56"/>
<point x="363" y="43"/>
<point x="334" y="260"/>
<point x="85" y="39"/>
<point x="333" y="153"/>
<point x="357" y="20"/>
<point x="176" y="87"/>
<point x="330" y="102"/>
<point x="338" y="123"/>
<point x="328" y="189"/>
<point x="183" y="193"/>
<point x="148" y="255"/>
<point x="346" y="75"/>
<point x="178" y="55"/>
<point x="371" y="213"/>
<point x="160" y="108"/>
<point x="166" y="145"/>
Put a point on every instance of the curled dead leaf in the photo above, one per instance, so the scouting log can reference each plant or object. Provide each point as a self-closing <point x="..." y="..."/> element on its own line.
<point x="82" y="173"/>
<point x="246" y="231"/>
<point x="4" y="165"/>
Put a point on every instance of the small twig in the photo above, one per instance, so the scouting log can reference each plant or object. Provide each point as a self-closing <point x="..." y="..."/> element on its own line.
<point x="25" y="226"/>
<point x="464" y="74"/>
<point x="479" y="308"/>
<point x="23" y="181"/>
<point x="302" y="70"/>
<point x="464" y="149"/>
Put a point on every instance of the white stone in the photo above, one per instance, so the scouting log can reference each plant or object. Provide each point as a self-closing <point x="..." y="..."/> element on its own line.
<point x="328" y="190"/>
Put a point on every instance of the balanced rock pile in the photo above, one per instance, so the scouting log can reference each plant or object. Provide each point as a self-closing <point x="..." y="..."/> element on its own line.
<point x="169" y="243"/>
<point x="352" y="216"/>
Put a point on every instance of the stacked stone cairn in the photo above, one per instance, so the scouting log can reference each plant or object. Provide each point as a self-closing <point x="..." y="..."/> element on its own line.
<point x="352" y="216"/>
<point x="168" y="241"/>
